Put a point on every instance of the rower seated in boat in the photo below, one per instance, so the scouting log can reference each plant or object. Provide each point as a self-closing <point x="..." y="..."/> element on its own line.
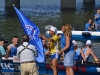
<point x="78" y="52"/>
<point x="88" y="51"/>
<point x="12" y="48"/>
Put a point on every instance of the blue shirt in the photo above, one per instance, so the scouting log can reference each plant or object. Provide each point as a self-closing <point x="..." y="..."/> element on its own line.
<point x="97" y="20"/>
<point x="2" y="52"/>
<point x="88" y="25"/>
<point x="63" y="44"/>
<point x="13" y="51"/>
<point x="45" y="50"/>
<point x="78" y="55"/>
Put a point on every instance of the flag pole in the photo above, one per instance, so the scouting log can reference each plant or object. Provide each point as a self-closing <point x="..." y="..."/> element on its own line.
<point x="13" y="5"/>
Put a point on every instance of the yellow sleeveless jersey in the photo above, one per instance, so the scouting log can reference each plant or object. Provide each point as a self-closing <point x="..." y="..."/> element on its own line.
<point x="54" y="46"/>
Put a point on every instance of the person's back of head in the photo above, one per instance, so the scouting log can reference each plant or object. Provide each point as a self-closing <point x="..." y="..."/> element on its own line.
<point x="25" y="38"/>
<point x="88" y="43"/>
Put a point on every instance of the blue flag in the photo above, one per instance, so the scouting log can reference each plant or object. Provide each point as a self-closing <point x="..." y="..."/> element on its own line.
<point x="33" y="31"/>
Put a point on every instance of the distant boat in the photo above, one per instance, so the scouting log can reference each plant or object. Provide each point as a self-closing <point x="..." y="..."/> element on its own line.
<point x="79" y="35"/>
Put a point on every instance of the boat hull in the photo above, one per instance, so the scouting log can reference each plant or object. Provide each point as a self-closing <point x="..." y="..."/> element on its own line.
<point x="7" y="66"/>
<point x="81" y="35"/>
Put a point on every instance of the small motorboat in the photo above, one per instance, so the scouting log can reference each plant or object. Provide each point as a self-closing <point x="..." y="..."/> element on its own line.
<point x="78" y="35"/>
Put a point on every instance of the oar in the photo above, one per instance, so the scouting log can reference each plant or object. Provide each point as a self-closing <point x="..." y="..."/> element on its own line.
<point x="85" y="62"/>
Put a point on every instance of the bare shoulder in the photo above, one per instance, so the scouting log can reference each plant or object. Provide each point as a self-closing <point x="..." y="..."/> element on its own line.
<point x="90" y="50"/>
<point x="9" y="47"/>
<point x="82" y="48"/>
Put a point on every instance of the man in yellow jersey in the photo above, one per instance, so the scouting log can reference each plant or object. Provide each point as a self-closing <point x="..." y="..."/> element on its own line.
<point x="53" y="48"/>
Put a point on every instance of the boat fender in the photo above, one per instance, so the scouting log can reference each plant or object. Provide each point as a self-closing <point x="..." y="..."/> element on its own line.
<point x="86" y="34"/>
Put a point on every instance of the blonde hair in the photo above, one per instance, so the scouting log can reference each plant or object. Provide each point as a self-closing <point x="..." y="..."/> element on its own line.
<point x="68" y="30"/>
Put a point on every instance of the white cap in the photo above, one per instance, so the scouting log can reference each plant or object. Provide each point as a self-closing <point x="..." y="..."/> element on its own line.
<point x="88" y="42"/>
<point x="54" y="29"/>
<point x="74" y="42"/>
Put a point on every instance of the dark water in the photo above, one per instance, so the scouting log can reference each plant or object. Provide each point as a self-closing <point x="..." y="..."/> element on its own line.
<point x="44" y="12"/>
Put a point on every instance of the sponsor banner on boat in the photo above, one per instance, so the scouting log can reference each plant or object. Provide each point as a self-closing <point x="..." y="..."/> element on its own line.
<point x="9" y="66"/>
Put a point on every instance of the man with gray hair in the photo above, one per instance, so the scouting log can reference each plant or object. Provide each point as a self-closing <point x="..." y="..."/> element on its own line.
<point x="27" y="53"/>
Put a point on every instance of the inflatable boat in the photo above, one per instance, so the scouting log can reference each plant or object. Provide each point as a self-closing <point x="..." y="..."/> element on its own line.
<point x="10" y="66"/>
<point x="78" y="35"/>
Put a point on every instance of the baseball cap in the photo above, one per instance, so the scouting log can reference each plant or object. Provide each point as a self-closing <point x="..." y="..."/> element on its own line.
<point x="88" y="42"/>
<point x="2" y="39"/>
<point x="54" y="29"/>
<point x="74" y="42"/>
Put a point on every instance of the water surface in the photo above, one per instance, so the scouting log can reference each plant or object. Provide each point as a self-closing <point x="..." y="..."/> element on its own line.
<point x="44" y="12"/>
